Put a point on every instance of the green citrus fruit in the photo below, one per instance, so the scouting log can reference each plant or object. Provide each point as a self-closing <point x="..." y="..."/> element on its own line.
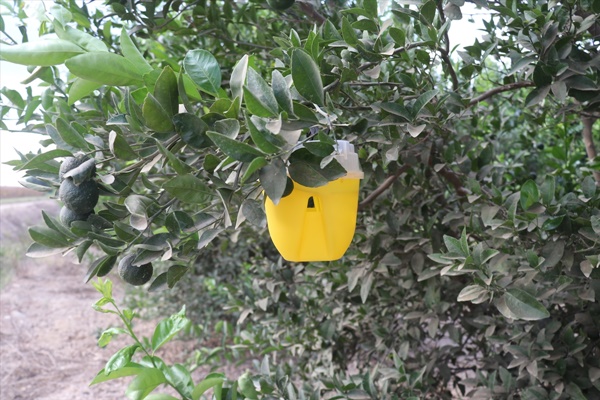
<point x="68" y="216"/>
<point x="70" y="163"/>
<point x="280" y="5"/>
<point x="79" y="198"/>
<point x="133" y="274"/>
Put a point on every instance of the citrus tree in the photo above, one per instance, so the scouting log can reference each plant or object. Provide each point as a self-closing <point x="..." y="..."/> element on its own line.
<point x="475" y="264"/>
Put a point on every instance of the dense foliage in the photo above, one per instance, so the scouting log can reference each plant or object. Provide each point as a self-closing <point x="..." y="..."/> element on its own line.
<point x="475" y="264"/>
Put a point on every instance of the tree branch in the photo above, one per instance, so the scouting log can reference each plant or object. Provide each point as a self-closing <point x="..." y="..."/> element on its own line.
<point x="588" y="140"/>
<point x="500" y="89"/>
<point x="445" y="53"/>
<point x="311" y="12"/>
<point x="383" y="187"/>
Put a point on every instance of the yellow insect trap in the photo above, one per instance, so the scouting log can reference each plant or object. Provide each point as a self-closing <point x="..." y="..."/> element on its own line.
<point x="317" y="224"/>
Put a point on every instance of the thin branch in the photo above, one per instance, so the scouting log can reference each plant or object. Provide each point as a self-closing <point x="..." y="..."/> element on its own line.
<point x="454" y="180"/>
<point x="500" y="89"/>
<point x="311" y="12"/>
<point x="445" y="53"/>
<point x="383" y="187"/>
<point x="370" y="64"/>
<point x="588" y="140"/>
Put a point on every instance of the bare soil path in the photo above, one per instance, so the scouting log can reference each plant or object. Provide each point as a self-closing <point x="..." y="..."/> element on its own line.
<point x="48" y="330"/>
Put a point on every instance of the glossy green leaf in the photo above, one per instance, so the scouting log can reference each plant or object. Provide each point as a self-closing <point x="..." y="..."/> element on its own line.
<point x="307" y="77"/>
<point x="305" y="168"/>
<point x="253" y="166"/>
<point x="80" y="88"/>
<point x="235" y="149"/>
<point x="120" y="148"/>
<point x="120" y="359"/>
<point x="47" y="237"/>
<point x="128" y="370"/>
<point x="524" y="306"/>
<point x="273" y="178"/>
<point x="144" y="383"/>
<point x="282" y="92"/>
<point x="529" y="194"/>
<point x="105" y="68"/>
<point x="204" y="70"/>
<point x="192" y="130"/>
<point x="78" y="37"/>
<point x="168" y="328"/>
<point x="40" y="159"/>
<point x="132" y="54"/>
<point x="166" y="92"/>
<point x="262" y="138"/>
<point x="259" y="96"/>
<point x="70" y="135"/>
<point x="41" y="52"/>
<point x="238" y="77"/>
<point x="204" y="385"/>
<point x="155" y="115"/>
<point x="189" y="189"/>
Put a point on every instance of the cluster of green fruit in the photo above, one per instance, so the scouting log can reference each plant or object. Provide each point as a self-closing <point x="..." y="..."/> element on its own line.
<point x="78" y="190"/>
<point x="80" y="193"/>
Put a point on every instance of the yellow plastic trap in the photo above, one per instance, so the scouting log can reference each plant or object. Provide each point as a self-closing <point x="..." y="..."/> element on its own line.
<point x="317" y="224"/>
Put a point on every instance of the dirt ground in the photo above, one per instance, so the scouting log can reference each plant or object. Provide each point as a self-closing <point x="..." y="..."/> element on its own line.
<point x="48" y="329"/>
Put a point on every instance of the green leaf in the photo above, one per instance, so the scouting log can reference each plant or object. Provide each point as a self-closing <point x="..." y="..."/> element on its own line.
<point x="529" y="195"/>
<point x="166" y="91"/>
<point x="168" y="328"/>
<point x="40" y="159"/>
<point x="155" y="116"/>
<point x="536" y="96"/>
<point x="273" y="178"/>
<point x="188" y="189"/>
<point x="252" y="211"/>
<point x="238" y="77"/>
<point x="548" y="189"/>
<point x="454" y="246"/>
<point x="588" y="187"/>
<point x="282" y="92"/>
<point x="81" y="88"/>
<point x="120" y="359"/>
<point x="307" y="77"/>
<point x="174" y="274"/>
<point x="108" y="334"/>
<point x="48" y="237"/>
<point x="70" y="135"/>
<point x="128" y="370"/>
<point x="120" y="148"/>
<point x="254" y="166"/>
<point x="42" y="52"/>
<point x="471" y="292"/>
<point x="160" y="396"/>
<point x="131" y="53"/>
<point x="262" y="138"/>
<point x="246" y="386"/>
<point x="204" y="70"/>
<point x="305" y="168"/>
<point x="422" y="101"/>
<point x="179" y="166"/>
<point x="524" y="306"/>
<point x="233" y="148"/>
<point x="37" y="250"/>
<point x="259" y="97"/>
<point x="105" y="68"/>
<point x="209" y="382"/>
<point x="144" y="383"/>
<point x="78" y="37"/>
<point x="192" y="130"/>
<point x="348" y="33"/>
